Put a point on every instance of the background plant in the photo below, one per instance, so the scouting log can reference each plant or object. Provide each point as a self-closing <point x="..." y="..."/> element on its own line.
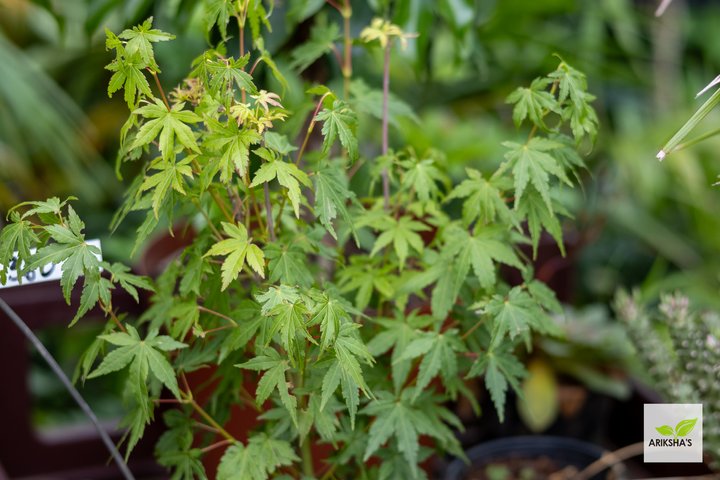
<point x="678" y="347"/>
<point x="293" y="274"/>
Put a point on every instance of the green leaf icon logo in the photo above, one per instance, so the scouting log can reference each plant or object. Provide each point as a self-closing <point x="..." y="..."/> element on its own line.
<point x="684" y="427"/>
<point x="665" y="430"/>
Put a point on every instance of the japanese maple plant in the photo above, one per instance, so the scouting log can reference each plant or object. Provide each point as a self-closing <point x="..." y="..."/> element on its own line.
<point x="358" y="316"/>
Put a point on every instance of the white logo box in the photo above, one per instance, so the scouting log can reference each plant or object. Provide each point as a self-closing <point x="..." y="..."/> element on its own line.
<point x="674" y="443"/>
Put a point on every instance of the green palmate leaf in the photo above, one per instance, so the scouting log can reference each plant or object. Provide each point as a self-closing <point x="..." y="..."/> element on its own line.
<point x="226" y="72"/>
<point x="288" y="264"/>
<point x="52" y="206"/>
<point x="423" y="177"/>
<point x="540" y="217"/>
<point x="439" y="356"/>
<point x="258" y="460"/>
<point x="516" y="314"/>
<point x="401" y="232"/>
<point x="501" y="369"/>
<point x="289" y="320"/>
<point x="233" y="144"/>
<point x="464" y="253"/>
<point x="218" y="12"/>
<point x="323" y="36"/>
<point x="288" y="175"/>
<point x="95" y="289"/>
<point x="484" y="201"/>
<point x="339" y="121"/>
<point x="533" y="163"/>
<point x="79" y="257"/>
<point x="127" y="73"/>
<point x="16" y="237"/>
<point x="169" y="125"/>
<point x="330" y="312"/>
<point x="240" y="251"/>
<point x="573" y="90"/>
<point x="404" y="420"/>
<point x="129" y="282"/>
<point x="533" y="102"/>
<point x="397" y="334"/>
<point x="366" y="275"/>
<point x="273" y="379"/>
<point x="331" y="197"/>
<point x="140" y="40"/>
<point x="144" y="355"/>
<point x="345" y="370"/>
<point x="174" y="448"/>
<point x="169" y="176"/>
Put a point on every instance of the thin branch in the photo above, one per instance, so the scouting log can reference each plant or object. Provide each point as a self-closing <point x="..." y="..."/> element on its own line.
<point x="58" y="371"/>
<point x="159" y="86"/>
<point x="385" y="125"/>
<point x="609" y="459"/>
<point x="268" y="212"/>
<point x="221" y="443"/>
<point x="217" y="314"/>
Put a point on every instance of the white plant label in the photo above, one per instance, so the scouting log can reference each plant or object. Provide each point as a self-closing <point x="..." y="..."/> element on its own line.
<point x="46" y="273"/>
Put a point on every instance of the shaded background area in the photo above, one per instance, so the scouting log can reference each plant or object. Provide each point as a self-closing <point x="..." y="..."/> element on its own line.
<point x="637" y="222"/>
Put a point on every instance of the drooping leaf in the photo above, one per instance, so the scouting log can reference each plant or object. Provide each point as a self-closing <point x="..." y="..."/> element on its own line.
<point x="240" y="251"/>
<point x="501" y="369"/>
<point x="287" y="264"/>
<point x="233" y="144"/>
<point x="144" y="355"/>
<point x="534" y="163"/>
<point x="401" y="232"/>
<point x="273" y="379"/>
<point x="339" y="121"/>
<point x="533" y="102"/>
<point x="169" y="176"/>
<point x="288" y="175"/>
<point x="331" y="197"/>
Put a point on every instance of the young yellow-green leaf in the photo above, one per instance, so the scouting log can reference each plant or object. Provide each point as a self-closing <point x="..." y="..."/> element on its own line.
<point x="127" y="73"/>
<point x="140" y="40"/>
<point x="170" y="175"/>
<point x="539" y="216"/>
<point x="515" y="314"/>
<point x="233" y="144"/>
<point x="401" y="232"/>
<point x="339" y="121"/>
<point x="534" y="163"/>
<point x="130" y="283"/>
<point x="288" y="175"/>
<point x="226" y="72"/>
<point x="218" y="12"/>
<point x="169" y="124"/>
<point x="239" y="250"/>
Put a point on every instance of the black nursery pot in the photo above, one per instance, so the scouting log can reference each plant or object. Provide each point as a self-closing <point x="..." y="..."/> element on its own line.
<point x="562" y="451"/>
